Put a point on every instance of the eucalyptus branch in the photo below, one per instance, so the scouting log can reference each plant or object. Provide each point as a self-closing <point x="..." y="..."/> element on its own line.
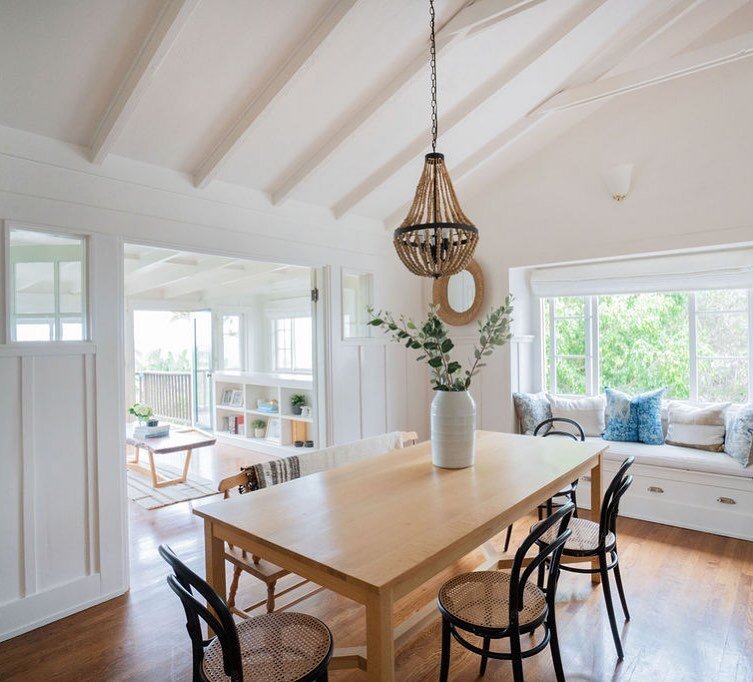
<point x="431" y="338"/>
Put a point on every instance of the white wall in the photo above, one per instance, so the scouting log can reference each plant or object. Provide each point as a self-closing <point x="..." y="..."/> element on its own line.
<point x="76" y="460"/>
<point x="63" y="491"/>
<point x="692" y="145"/>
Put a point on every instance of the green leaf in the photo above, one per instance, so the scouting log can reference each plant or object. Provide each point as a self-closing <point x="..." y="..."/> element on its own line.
<point x="447" y="345"/>
<point x="435" y="362"/>
<point x="453" y="367"/>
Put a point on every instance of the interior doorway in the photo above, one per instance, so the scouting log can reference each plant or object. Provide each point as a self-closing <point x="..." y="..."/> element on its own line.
<point x="224" y="347"/>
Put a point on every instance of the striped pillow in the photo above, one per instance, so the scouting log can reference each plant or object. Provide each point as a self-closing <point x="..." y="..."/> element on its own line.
<point x="697" y="427"/>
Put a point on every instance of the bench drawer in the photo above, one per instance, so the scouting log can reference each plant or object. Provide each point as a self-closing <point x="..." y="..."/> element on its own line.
<point x="717" y="506"/>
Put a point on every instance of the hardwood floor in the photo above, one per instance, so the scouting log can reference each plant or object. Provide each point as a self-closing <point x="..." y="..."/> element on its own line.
<point x="690" y="595"/>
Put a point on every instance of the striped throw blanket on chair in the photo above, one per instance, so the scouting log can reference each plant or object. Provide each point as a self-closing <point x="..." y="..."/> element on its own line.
<point x="277" y="471"/>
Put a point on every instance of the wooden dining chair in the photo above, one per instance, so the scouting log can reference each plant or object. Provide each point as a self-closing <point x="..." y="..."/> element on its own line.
<point x="591" y="539"/>
<point x="284" y="647"/>
<point x="498" y="605"/>
<point x="262" y="570"/>
<point x="570" y="491"/>
<point x="265" y="571"/>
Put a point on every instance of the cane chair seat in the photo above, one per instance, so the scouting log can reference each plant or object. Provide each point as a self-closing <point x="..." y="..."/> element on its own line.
<point x="275" y="647"/>
<point x="481" y="598"/>
<point x="584" y="540"/>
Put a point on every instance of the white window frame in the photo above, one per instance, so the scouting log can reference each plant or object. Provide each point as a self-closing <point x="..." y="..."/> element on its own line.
<point x="55" y="317"/>
<point x="241" y="339"/>
<point x="591" y="315"/>
<point x="293" y="369"/>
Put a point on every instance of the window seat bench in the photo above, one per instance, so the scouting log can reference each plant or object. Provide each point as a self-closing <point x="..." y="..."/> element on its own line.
<point x="686" y="487"/>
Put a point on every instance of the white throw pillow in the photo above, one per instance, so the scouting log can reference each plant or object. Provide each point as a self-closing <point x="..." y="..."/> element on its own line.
<point x="700" y="427"/>
<point x="588" y="412"/>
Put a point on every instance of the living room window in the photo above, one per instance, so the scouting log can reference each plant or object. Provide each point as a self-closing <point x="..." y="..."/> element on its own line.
<point x="697" y="344"/>
<point x="293" y="344"/>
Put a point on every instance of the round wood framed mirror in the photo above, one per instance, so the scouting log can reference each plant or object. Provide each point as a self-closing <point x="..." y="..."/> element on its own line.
<point x="461" y="296"/>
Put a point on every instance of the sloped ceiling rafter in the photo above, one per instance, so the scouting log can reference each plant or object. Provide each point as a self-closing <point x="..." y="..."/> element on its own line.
<point x="647" y="32"/>
<point x="158" y="42"/>
<point x="231" y="139"/>
<point x="472" y="17"/>
<point x="536" y="74"/>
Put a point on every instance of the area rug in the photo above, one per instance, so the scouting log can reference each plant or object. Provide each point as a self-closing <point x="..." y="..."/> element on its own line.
<point x="141" y="492"/>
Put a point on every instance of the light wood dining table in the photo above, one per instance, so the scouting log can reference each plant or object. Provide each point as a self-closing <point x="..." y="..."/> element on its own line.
<point x="375" y="530"/>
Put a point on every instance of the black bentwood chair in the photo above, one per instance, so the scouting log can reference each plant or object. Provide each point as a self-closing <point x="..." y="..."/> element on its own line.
<point x="590" y="539"/>
<point x="280" y="646"/>
<point x="568" y="493"/>
<point x="497" y="605"/>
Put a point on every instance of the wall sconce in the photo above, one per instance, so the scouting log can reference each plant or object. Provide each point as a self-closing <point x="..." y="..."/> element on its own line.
<point x="618" y="180"/>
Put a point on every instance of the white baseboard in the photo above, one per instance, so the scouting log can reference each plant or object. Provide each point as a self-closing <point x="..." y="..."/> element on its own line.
<point x="28" y="627"/>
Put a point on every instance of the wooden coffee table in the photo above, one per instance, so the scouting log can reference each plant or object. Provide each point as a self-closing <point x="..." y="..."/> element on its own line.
<point x="180" y="439"/>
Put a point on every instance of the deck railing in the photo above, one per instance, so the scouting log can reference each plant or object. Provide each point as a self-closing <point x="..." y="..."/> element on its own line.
<point x="167" y="393"/>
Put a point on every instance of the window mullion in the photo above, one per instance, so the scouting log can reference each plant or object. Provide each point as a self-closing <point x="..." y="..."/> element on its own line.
<point x="552" y="349"/>
<point x="693" y="346"/>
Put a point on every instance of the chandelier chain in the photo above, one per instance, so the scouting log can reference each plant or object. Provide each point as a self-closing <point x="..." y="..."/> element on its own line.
<point x="433" y="53"/>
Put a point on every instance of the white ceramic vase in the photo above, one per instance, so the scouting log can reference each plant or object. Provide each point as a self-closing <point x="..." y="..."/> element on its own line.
<point x="453" y="429"/>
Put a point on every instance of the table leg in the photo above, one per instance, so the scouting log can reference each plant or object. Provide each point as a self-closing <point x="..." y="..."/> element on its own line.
<point x="214" y="554"/>
<point x="185" y="465"/>
<point x="153" y="471"/>
<point x="596" y="510"/>
<point x="137" y="454"/>
<point x="380" y="645"/>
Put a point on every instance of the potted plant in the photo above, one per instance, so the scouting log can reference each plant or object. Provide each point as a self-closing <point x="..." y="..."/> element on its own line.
<point x="259" y="426"/>
<point x="297" y="401"/>
<point x="453" y="411"/>
<point x="143" y="413"/>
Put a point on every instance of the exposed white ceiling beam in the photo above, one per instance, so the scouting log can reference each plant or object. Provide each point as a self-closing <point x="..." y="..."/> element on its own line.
<point x="233" y="137"/>
<point x="516" y="70"/>
<point x="680" y="66"/>
<point x="699" y="18"/>
<point x="446" y="36"/>
<point x="223" y="275"/>
<point x="655" y="20"/>
<point x="485" y="13"/>
<point x="505" y="139"/>
<point x="158" y="42"/>
<point x="159" y="276"/>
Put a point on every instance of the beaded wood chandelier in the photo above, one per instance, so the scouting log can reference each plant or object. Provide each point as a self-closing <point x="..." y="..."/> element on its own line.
<point x="436" y="239"/>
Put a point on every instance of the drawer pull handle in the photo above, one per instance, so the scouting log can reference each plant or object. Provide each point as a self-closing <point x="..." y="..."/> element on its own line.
<point x="655" y="489"/>
<point x="586" y="478"/>
<point x="726" y="500"/>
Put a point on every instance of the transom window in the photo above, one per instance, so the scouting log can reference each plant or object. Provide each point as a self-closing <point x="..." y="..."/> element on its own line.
<point x="48" y="286"/>
<point x="695" y="344"/>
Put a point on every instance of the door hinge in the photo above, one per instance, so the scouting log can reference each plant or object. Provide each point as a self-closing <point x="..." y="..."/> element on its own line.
<point x="315" y="295"/>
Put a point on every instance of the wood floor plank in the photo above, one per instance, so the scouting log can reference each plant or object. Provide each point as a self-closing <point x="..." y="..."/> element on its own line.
<point x="690" y="595"/>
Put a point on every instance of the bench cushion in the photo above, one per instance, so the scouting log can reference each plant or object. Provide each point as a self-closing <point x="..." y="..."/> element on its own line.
<point x="675" y="457"/>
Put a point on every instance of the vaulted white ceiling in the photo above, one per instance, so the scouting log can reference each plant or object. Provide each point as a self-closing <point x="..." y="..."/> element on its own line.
<point x="326" y="101"/>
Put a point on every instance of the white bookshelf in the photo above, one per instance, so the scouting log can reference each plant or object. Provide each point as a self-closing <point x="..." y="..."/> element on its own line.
<point x="283" y="427"/>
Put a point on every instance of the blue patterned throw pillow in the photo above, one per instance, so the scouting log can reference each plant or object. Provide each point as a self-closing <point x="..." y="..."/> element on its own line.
<point x="738" y="440"/>
<point x="532" y="409"/>
<point x="634" y="419"/>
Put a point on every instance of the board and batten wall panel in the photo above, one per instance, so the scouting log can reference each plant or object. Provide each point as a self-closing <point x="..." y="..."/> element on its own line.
<point x="11" y="465"/>
<point x="61" y="469"/>
<point x="62" y="488"/>
<point x="376" y="385"/>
